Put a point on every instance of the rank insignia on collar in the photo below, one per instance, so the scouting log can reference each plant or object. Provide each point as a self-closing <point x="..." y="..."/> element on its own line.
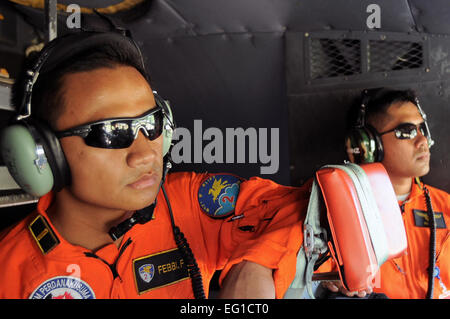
<point x="43" y="234"/>
<point x="218" y="195"/>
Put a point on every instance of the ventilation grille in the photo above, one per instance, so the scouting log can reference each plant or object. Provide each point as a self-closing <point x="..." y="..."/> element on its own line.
<point x="384" y="56"/>
<point x="330" y="58"/>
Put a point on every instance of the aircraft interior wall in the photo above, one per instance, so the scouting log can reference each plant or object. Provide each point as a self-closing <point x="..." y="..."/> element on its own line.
<point x="295" y="66"/>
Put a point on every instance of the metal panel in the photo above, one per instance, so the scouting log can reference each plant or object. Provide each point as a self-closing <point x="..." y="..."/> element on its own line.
<point x="226" y="81"/>
<point x="318" y="107"/>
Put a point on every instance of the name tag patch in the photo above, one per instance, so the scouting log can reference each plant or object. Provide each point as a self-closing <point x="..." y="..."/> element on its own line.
<point x="159" y="270"/>
<point x="421" y="219"/>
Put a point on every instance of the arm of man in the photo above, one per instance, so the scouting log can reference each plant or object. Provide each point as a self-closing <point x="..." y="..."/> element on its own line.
<point x="248" y="280"/>
<point x="337" y="286"/>
<point x="268" y="234"/>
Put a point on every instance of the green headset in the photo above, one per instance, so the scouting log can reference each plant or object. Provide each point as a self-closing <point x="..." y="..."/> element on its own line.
<point x="29" y="148"/>
<point x="363" y="143"/>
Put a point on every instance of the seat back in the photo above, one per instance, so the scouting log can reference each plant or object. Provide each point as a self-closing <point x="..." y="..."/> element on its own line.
<point x="364" y="220"/>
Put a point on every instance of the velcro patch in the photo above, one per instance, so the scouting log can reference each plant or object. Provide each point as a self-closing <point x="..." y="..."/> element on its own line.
<point x="218" y="195"/>
<point x="421" y="219"/>
<point x="159" y="270"/>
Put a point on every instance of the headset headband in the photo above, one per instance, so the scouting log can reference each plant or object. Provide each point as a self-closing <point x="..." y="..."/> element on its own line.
<point x="63" y="49"/>
<point x="361" y="116"/>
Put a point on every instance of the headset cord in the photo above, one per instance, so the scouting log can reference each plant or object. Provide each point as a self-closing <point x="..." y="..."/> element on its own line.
<point x="188" y="255"/>
<point x="432" y="256"/>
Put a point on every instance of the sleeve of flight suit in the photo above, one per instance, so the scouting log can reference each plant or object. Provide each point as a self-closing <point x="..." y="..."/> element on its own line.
<point x="264" y="226"/>
<point x="271" y="231"/>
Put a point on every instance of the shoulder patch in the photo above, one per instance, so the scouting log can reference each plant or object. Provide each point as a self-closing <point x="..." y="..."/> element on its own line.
<point x="63" y="287"/>
<point x="218" y="195"/>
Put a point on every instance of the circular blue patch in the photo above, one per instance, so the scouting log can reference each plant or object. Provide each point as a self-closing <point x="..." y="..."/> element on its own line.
<point x="218" y="194"/>
<point x="63" y="287"/>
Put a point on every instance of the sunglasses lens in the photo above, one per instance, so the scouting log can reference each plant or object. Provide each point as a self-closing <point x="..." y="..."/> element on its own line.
<point x="423" y="129"/>
<point x="406" y="131"/>
<point x="110" y="135"/>
<point x="120" y="134"/>
<point x="154" y="125"/>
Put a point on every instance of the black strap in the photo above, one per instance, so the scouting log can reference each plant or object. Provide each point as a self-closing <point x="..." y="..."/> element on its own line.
<point x="112" y="267"/>
<point x="432" y="249"/>
<point x="188" y="255"/>
<point x="140" y="216"/>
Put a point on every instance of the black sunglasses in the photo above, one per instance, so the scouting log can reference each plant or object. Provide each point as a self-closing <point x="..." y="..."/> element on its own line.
<point x="408" y="131"/>
<point x="116" y="133"/>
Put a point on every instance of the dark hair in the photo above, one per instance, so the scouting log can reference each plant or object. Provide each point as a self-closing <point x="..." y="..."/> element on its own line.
<point x="378" y="101"/>
<point x="48" y="97"/>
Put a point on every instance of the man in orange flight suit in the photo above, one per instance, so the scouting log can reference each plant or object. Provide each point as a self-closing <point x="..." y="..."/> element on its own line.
<point x="260" y="230"/>
<point x="405" y="143"/>
<point x="406" y="277"/>
<point x="249" y="228"/>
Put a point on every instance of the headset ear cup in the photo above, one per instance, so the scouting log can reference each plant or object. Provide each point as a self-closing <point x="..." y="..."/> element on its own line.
<point x="168" y="129"/>
<point x="356" y="146"/>
<point x="55" y="155"/>
<point x="351" y="148"/>
<point x="360" y="146"/>
<point x="168" y="123"/>
<point x="368" y="144"/>
<point x="379" y="150"/>
<point x="20" y="155"/>
<point x="34" y="157"/>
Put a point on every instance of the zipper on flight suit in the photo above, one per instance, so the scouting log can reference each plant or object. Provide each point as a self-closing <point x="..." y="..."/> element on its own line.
<point x="399" y="268"/>
<point x="112" y="267"/>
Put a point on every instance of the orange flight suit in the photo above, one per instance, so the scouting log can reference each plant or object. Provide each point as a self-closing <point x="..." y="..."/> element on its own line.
<point x="266" y="228"/>
<point x="406" y="277"/>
